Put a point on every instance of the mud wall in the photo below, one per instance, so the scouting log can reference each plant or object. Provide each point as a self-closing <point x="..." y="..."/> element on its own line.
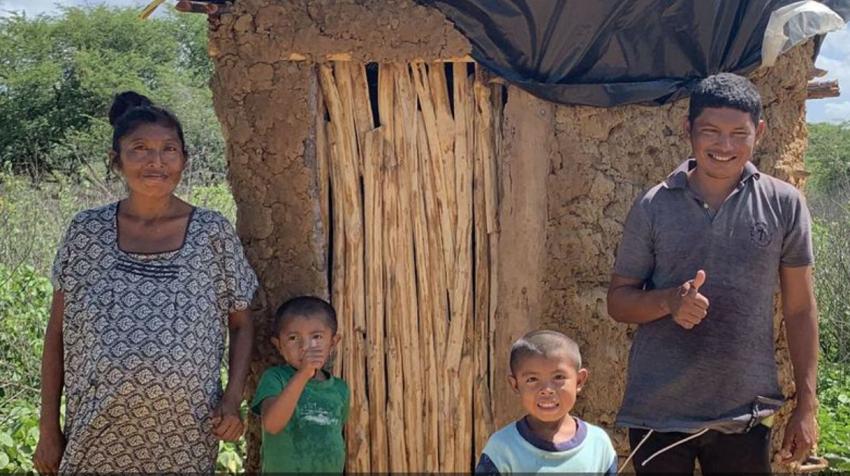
<point x="587" y="169"/>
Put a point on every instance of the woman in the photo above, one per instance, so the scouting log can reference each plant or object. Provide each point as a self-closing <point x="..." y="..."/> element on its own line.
<point x="144" y="290"/>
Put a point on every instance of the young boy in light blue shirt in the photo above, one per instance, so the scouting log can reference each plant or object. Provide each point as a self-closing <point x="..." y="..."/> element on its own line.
<point x="547" y="375"/>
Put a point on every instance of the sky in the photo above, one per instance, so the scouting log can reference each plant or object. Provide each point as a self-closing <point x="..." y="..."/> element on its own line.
<point x="834" y="56"/>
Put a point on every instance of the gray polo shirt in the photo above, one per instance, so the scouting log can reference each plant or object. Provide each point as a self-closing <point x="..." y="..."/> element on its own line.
<point x="722" y="371"/>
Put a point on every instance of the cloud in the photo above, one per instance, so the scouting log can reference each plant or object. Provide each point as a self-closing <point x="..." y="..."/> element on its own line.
<point x="837" y="44"/>
<point x="835" y="58"/>
<point x="837" y="111"/>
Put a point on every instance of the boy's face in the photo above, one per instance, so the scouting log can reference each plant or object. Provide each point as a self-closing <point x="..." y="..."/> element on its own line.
<point x="723" y="140"/>
<point x="302" y="333"/>
<point x="548" y="385"/>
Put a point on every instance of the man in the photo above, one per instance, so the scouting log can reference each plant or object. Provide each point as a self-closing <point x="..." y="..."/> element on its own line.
<point x="697" y="270"/>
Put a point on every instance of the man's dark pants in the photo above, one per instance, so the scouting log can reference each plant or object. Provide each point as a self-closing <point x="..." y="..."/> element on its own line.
<point x="717" y="452"/>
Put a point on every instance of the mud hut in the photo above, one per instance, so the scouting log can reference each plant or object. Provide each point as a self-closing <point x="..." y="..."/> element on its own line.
<point x="442" y="209"/>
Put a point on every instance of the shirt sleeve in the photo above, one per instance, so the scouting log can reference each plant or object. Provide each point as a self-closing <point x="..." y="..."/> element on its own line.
<point x="271" y="384"/>
<point x="62" y="262"/>
<point x="612" y="470"/>
<point x="797" y="242"/>
<point x="236" y="281"/>
<point x="636" y="253"/>
<point x="486" y="466"/>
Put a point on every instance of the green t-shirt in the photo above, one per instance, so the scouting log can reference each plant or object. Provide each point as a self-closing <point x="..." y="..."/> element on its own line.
<point x="312" y="440"/>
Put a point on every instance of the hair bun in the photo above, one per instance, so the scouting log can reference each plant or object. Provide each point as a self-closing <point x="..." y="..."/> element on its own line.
<point x="125" y="101"/>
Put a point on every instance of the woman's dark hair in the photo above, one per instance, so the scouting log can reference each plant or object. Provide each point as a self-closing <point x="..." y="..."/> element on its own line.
<point x="129" y="110"/>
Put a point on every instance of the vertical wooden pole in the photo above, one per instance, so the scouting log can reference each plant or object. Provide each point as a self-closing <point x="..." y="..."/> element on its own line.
<point x="397" y="433"/>
<point x="372" y="184"/>
<point x="347" y="178"/>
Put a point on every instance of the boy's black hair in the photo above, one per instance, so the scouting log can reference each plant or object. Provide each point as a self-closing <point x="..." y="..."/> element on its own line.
<point x="304" y="306"/>
<point x="543" y="343"/>
<point x="130" y="110"/>
<point x="725" y="90"/>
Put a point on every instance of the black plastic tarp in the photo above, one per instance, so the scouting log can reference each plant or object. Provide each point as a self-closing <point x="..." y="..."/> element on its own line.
<point x="614" y="52"/>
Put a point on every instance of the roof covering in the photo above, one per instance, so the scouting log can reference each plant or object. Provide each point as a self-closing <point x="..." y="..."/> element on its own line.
<point x="613" y="52"/>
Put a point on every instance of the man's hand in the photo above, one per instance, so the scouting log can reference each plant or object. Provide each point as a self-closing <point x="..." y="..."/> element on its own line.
<point x="227" y="421"/>
<point x="48" y="452"/>
<point x="687" y="306"/>
<point x="800" y="435"/>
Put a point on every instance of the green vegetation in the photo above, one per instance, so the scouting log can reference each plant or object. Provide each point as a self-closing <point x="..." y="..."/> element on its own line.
<point x="58" y="76"/>
<point x="828" y="191"/>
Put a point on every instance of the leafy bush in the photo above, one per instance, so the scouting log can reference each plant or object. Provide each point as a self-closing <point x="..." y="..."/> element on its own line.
<point x="58" y="75"/>
<point x="834" y="416"/>
<point x="24" y="300"/>
<point x="828" y="158"/>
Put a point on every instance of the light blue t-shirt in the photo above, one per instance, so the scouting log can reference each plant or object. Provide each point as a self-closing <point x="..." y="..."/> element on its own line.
<point x="515" y="449"/>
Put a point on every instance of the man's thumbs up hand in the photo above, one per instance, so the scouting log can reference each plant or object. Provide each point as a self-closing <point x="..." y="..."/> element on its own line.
<point x="699" y="280"/>
<point x="687" y="306"/>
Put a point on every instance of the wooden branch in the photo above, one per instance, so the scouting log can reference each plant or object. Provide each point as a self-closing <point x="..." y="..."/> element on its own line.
<point x="396" y="432"/>
<point x="815" y="72"/>
<point x="345" y="180"/>
<point x="405" y="148"/>
<point x="373" y="155"/>
<point x="347" y="57"/>
<point x="188" y="6"/>
<point x="822" y="89"/>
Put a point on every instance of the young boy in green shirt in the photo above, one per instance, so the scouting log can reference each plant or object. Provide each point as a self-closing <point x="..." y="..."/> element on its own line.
<point x="303" y="408"/>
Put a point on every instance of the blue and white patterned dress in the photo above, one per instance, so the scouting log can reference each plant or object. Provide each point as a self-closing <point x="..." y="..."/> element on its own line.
<point x="144" y="336"/>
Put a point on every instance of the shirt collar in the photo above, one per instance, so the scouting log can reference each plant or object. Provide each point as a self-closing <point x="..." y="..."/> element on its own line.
<point x="528" y="435"/>
<point x="679" y="177"/>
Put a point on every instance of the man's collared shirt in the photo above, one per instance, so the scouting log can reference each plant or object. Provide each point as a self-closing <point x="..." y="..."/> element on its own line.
<point x="712" y="375"/>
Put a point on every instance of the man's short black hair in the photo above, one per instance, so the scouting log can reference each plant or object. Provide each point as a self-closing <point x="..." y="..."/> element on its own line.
<point x="304" y="306"/>
<point x="725" y="90"/>
<point x="544" y="343"/>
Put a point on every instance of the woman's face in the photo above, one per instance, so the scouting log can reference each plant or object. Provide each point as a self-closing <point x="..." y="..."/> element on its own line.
<point x="151" y="160"/>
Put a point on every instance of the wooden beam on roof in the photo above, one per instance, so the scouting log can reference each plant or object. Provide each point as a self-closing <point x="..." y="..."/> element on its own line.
<point x="815" y="72"/>
<point x="347" y="57"/>
<point x="209" y="8"/>
<point x="822" y="89"/>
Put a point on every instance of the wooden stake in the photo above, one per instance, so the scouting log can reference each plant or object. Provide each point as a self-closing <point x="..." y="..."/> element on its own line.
<point x="322" y="153"/>
<point x="429" y="279"/>
<point x="397" y="434"/>
<point x="483" y="423"/>
<point x="372" y="183"/>
<point x="405" y="123"/>
<point x="441" y="189"/>
<point x="363" y="120"/>
<point x="434" y="273"/>
<point x="346" y="177"/>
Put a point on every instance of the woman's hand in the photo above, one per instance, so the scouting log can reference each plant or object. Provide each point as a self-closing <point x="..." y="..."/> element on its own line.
<point x="48" y="452"/>
<point x="227" y="420"/>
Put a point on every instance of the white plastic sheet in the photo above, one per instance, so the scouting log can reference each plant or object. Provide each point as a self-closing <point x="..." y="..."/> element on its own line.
<point x="794" y="24"/>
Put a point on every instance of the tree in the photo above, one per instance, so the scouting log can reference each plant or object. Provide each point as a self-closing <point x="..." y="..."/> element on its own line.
<point x="58" y="75"/>
<point x="828" y="158"/>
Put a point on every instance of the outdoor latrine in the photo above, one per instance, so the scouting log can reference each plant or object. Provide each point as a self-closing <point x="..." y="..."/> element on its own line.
<point x="443" y="211"/>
